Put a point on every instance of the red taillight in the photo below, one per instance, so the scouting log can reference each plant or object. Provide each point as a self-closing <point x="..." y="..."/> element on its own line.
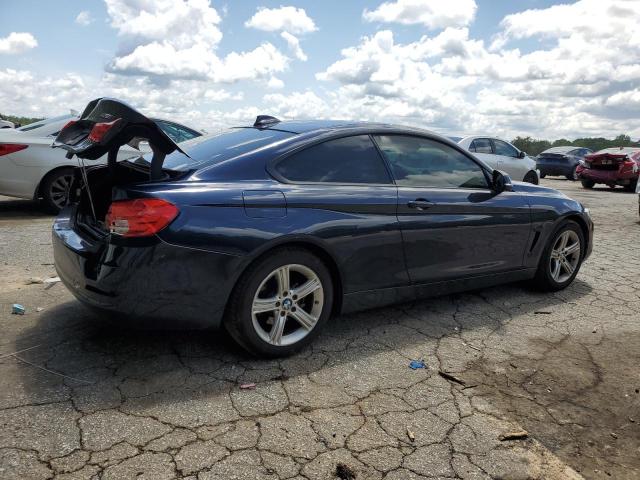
<point x="99" y="130"/>
<point x="141" y="217"/>
<point x="7" y="148"/>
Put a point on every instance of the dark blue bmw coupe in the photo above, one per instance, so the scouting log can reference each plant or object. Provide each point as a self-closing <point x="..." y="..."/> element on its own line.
<point x="270" y="229"/>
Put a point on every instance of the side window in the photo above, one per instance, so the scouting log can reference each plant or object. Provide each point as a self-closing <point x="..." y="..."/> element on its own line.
<point x="503" y="148"/>
<point x="344" y="160"/>
<point x="481" y="145"/>
<point x="417" y="161"/>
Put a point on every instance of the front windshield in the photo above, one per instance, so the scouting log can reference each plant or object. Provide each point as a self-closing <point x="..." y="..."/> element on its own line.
<point x="212" y="149"/>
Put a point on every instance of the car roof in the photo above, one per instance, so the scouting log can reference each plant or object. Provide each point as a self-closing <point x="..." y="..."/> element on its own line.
<point x="310" y="126"/>
<point x="561" y="149"/>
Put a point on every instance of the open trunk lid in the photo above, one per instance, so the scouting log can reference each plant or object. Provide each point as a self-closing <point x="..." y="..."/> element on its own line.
<point x="104" y="126"/>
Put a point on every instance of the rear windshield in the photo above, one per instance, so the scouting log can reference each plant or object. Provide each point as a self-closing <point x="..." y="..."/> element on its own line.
<point x="212" y="149"/>
<point x="42" y="123"/>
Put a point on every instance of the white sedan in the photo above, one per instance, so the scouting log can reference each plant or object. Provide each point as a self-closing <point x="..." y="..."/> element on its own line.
<point x="501" y="155"/>
<point x="31" y="169"/>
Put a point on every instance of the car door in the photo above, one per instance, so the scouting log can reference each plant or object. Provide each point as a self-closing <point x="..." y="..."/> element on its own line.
<point x="341" y="191"/>
<point x="483" y="149"/>
<point x="509" y="160"/>
<point x="453" y="225"/>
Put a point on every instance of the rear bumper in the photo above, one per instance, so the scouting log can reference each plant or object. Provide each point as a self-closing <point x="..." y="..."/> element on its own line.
<point x="610" y="177"/>
<point x="156" y="285"/>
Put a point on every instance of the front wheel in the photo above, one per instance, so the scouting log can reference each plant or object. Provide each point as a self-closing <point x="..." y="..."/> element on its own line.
<point x="531" y="177"/>
<point x="587" y="183"/>
<point x="573" y="175"/>
<point x="280" y="303"/>
<point x="562" y="258"/>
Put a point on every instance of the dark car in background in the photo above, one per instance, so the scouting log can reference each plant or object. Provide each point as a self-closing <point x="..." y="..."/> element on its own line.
<point x="611" y="166"/>
<point x="270" y="229"/>
<point x="561" y="161"/>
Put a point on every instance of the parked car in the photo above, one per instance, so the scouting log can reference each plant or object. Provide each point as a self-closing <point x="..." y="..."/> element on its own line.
<point x="31" y="169"/>
<point x="272" y="228"/>
<point x="6" y="124"/>
<point x="503" y="156"/>
<point x="562" y="161"/>
<point x="611" y="166"/>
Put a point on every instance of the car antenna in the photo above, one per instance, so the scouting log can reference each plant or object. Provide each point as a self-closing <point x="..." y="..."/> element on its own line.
<point x="263" y="121"/>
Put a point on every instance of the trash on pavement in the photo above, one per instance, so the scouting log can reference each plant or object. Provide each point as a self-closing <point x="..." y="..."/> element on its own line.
<point x="411" y="435"/>
<point x="17" y="309"/>
<point x="416" y="364"/>
<point x="39" y="309"/>
<point x="542" y="312"/>
<point x="50" y="282"/>
<point x="33" y="280"/>
<point x="247" y="386"/>
<point x="517" y="435"/>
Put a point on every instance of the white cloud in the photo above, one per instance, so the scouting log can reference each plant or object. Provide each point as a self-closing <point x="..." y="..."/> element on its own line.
<point x="178" y="40"/>
<point x="434" y="14"/>
<point x="17" y="43"/>
<point x="275" y="83"/>
<point x="288" y="19"/>
<point x="294" y="46"/>
<point x="84" y="18"/>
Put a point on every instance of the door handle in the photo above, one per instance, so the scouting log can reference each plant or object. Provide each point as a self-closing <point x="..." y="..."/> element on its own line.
<point x="420" y="204"/>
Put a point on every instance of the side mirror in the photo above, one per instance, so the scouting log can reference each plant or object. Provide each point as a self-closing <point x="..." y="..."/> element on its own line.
<point x="522" y="154"/>
<point x="501" y="182"/>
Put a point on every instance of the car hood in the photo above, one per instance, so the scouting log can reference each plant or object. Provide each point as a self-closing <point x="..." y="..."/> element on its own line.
<point x="532" y="189"/>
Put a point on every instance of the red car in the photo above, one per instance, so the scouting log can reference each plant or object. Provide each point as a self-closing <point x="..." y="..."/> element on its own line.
<point x="611" y="166"/>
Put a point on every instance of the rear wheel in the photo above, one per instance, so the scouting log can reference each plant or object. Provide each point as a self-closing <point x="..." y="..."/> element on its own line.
<point x="280" y="303"/>
<point x="531" y="177"/>
<point x="542" y="175"/>
<point x="587" y="183"/>
<point x="562" y="258"/>
<point x="573" y="175"/>
<point x="55" y="189"/>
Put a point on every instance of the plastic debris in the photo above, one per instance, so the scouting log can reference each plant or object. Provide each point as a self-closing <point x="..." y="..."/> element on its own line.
<point x="517" y="435"/>
<point x="416" y="364"/>
<point x="17" y="309"/>
<point x="345" y="472"/>
<point x="247" y="386"/>
<point x="33" y="280"/>
<point x="39" y="309"/>
<point x="411" y="435"/>
<point x="50" y="282"/>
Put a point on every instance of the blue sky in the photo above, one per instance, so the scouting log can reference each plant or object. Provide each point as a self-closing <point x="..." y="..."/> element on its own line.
<point x="446" y="72"/>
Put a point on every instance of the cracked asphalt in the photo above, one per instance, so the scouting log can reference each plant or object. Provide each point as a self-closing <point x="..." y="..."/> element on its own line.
<point x="81" y="400"/>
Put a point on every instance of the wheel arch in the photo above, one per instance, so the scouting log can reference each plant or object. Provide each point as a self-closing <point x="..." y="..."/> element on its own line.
<point x="583" y="226"/>
<point x="314" y="246"/>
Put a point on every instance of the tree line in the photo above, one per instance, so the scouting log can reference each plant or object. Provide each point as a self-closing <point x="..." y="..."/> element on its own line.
<point x="535" y="146"/>
<point x="19" y="120"/>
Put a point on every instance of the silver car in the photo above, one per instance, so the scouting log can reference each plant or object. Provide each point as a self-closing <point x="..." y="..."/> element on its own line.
<point x="501" y="155"/>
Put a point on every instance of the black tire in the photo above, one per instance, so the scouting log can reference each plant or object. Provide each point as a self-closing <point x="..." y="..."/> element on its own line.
<point x="587" y="183"/>
<point x="573" y="176"/>
<point x="631" y="187"/>
<point x="51" y="189"/>
<point x="531" y="177"/>
<point x="239" y="319"/>
<point x="542" y="175"/>
<point x="543" y="279"/>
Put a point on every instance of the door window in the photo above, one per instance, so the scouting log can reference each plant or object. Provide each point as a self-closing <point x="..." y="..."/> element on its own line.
<point x="503" y="148"/>
<point x="417" y="161"/>
<point x="481" y="145"/>
<point x="344" y="160"/>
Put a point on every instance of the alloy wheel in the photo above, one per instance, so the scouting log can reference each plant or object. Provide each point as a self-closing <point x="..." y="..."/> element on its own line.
<point x="565" y="256"/>
<point x="59" y="190"/>
<point x="287" y="305"/>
